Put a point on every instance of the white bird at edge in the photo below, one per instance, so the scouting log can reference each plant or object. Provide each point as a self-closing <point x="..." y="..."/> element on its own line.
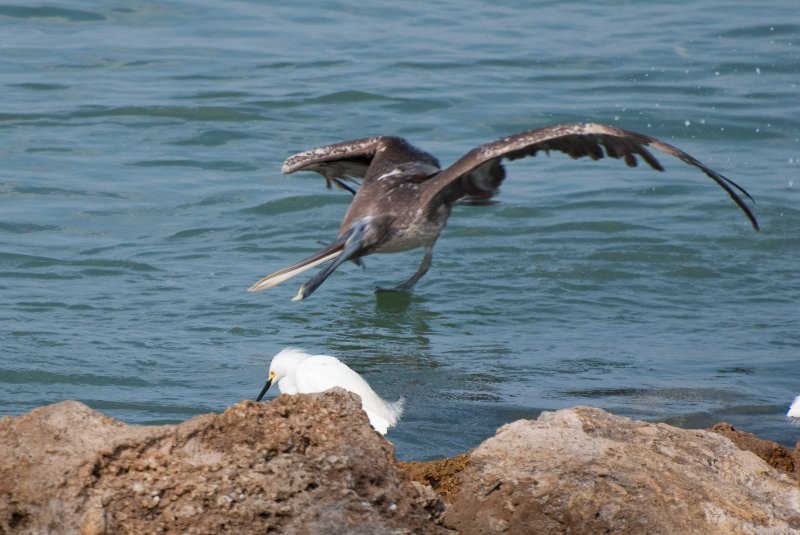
<point x="297" y="372"/>
<point x="794" y="411"/>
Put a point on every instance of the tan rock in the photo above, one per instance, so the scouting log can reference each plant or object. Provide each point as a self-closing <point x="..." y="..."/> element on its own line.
<point x="313" y="464"/>
<point x="779" y="457"/>
<point x="583" y="470"/>
<point x="299" y="464"/>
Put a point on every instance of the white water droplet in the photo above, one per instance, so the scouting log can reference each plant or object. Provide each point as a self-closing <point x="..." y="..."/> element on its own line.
<point x="687" y="122"/>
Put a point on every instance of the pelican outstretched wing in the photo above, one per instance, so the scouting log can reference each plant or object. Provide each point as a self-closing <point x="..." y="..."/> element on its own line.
<point x="358" y="159"/>
<point x="478" y="173"/>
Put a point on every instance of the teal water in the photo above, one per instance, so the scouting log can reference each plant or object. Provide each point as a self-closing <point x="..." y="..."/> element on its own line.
<point x="140" y="195"/>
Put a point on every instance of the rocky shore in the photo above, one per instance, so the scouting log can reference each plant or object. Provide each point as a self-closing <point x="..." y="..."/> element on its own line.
<point x="312" y="464"/>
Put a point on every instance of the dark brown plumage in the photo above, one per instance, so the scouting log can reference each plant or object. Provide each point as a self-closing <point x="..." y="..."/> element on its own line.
<point x="405" y="197"/>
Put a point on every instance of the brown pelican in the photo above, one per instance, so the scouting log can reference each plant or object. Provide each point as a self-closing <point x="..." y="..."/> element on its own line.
<point x="405" y="196"/>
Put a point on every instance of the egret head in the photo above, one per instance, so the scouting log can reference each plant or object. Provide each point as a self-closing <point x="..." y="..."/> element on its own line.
<point x="270" y="379"/>
<point x="282" y="370"/>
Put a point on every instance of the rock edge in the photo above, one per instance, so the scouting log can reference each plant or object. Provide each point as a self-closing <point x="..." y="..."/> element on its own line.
<point x="313" y="464"/>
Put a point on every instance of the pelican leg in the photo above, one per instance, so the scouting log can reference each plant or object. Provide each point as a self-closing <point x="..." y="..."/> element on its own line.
<point x="409" y="284"/>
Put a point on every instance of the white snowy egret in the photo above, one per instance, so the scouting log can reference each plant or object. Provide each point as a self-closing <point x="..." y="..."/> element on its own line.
<point x="794" y="411"/>
<point x="297" y="372"/>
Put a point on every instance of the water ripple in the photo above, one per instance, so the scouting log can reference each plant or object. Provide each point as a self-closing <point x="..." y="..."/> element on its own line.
<point x="71" y="15"/>
<point x="48" y="378"/>
<point x="216" y="165"/>
<point x="191" y="113"/>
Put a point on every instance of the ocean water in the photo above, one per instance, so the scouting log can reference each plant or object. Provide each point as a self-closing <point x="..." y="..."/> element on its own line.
<point x="141" y="194"/>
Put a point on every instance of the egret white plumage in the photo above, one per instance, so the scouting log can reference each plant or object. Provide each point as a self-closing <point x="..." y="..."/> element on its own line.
<point x="298" y="372"/>
<point x="794" y="411"/>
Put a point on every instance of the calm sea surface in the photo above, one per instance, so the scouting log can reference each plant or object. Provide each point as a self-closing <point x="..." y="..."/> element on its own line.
<point x="141" y="194"/>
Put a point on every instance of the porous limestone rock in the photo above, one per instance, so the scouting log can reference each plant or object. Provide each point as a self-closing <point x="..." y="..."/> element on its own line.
<point x="299" y="464"/>
<point x="310" y="464"/>
<point x="583" y="470"/>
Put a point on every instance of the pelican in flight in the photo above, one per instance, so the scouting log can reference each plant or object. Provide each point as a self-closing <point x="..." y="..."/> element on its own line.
<point x="405" y="197"/>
